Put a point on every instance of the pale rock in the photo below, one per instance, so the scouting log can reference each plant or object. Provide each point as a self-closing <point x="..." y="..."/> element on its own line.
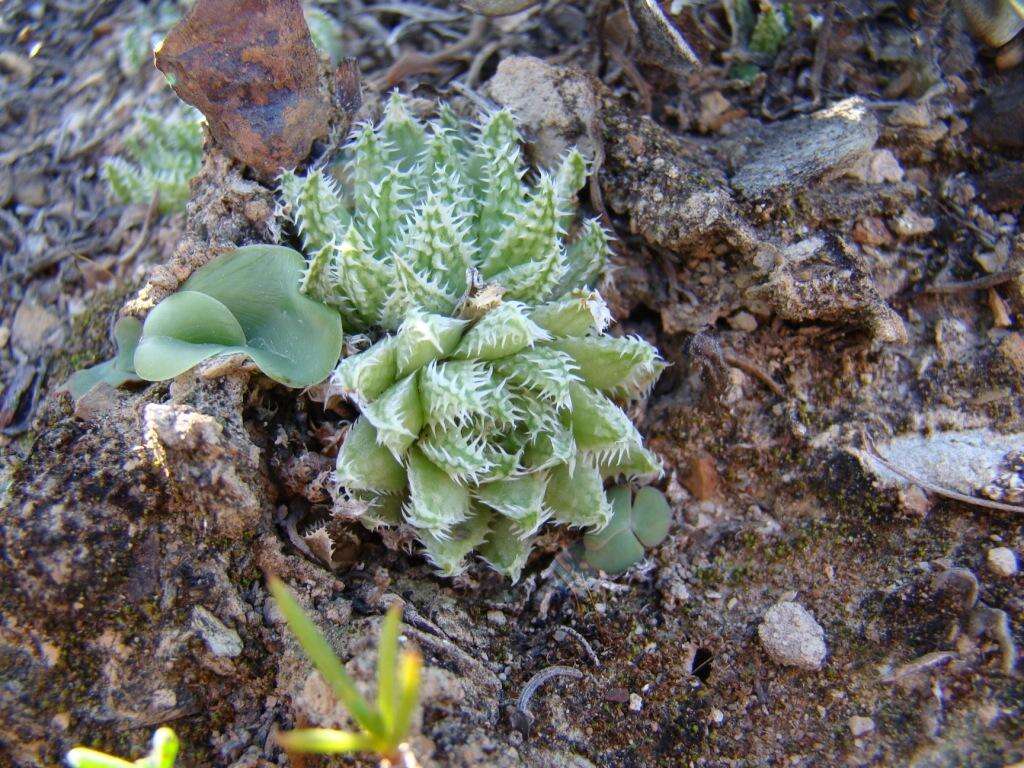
<point x="555" y="105"/>
<point x="910" y="223"/>
<point x="635" y="702"/>
<point x="792" y="636"/>
<point x="743" y="321"/>
<point x="879" y="166"/>
<point x="861" y="726"/>
<point x="34" y="328"/>
<point x="1002" y="561"/>
<point x="220" y="639"/>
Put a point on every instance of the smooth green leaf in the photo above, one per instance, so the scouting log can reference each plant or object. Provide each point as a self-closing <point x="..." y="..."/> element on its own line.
<point x="643" y="521"/>
<point x="116" y="371"/>
<point x="387" y="668"/>
<point x="410" y="665"/>
<point x="246" y="301"/>
<point x="82" y="757"/>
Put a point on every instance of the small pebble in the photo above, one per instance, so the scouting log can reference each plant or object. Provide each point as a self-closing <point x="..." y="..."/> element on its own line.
<point x="1002" y="561"/>
<point x="496" y="617"/>
<point x="743" y="321"/>
<point x="635" y="702"/>
<point x="792" y="637"/>
<point x="910" y="223"/>
<point x="860" y="725"/>
<point x="717" y="716"/>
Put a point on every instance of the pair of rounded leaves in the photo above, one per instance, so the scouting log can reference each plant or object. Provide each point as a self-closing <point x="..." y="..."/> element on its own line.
<point x="248" y="302"/>
<point x="638" y="523"/>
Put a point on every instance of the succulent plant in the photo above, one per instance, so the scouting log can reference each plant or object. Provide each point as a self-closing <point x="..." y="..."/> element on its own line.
<point x="164" y="153"/>
<point x="162" y="754"/>
<point x="490" y="397"/>
<point x="637" y="523"/>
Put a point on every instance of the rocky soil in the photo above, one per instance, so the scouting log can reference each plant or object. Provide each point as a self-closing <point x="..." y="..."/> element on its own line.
<point x="829" y="254"/>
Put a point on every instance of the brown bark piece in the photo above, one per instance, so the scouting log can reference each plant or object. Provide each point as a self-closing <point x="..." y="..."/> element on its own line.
<point x="251" y="68"/>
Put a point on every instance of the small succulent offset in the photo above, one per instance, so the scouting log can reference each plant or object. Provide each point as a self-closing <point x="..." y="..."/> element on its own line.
<point x="244" y="302"/>
<point x="162" y="754"/>
<point x="384" y="725"/>
<point x="164" y="152"/>
<point x="490" y="399"/>
<point x="637" y="523"/>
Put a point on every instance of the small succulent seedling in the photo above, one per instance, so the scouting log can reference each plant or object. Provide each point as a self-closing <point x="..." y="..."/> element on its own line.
<point x="135" y="48"/>
<point x="635" y="524"/>
<point x="115" y="372"/>
<point x="162" y="754"/>
<point x="761" y="34"/>
<point x="325" y="31"/>
<point x="246" y="301"/>
<point x="164" y="152"/>
<point x="384" y="725"/>
<point x="490" y="402"/>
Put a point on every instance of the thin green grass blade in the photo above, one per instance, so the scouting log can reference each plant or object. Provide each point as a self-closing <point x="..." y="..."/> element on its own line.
<point x="325" y="741"/>
<point x="80" y="757"/>
<point x="165" y="748"/>
<point x="387" y="667"/>
<point x="409" y="667"/>
<point x="323" y="658"/>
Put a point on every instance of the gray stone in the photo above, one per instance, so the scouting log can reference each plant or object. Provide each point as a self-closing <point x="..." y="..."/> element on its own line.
<point x="220" y="639"/>
<point x="805" y="149"/>
<point x="792" y="637"/>
<point x="1002" y="561"/>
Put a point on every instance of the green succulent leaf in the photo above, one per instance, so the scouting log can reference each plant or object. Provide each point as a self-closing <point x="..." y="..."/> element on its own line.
<point x="505" y="549"/>
<point x="325" y="31"/>
<point x="642" y="522"/>
<point x="502" y="332"/>
<point x="423" y="338"/>
<point x="575" y="495"/>
<point x="162" y="754"/>
<point x="115" y="372"/>
<point x="448" y="555"/>
<point x="397" y="415"/>
<point x="162" y="154"/>
<point x="436" y="502"/>
<point x="624" y="367"/>
<point x="517" y="498"/>
<point x="579" y="313"/>
<point x="366" y="375"/>
<point x="365" y="465"/>
<point x="246" y="302"/>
